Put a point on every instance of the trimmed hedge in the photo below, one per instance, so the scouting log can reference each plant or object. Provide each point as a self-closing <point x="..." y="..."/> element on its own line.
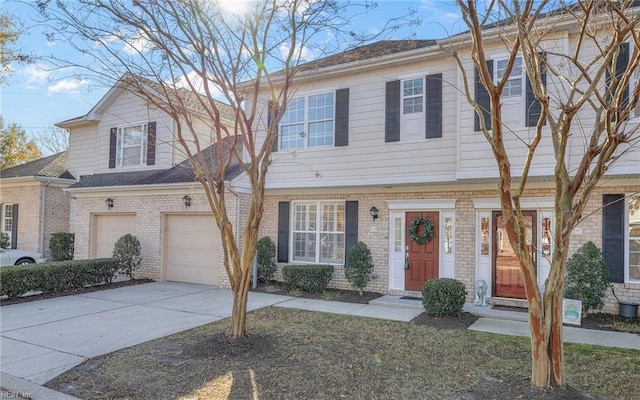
<point x="443" y="296"/>
<point x="53" y="277"/>
<point x="310" y="278"/>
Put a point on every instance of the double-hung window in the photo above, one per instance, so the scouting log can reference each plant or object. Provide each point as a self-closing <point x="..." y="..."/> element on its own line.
<point x="412" y="95"/>
<point x="132" y="145"/>
<point x="513" y="86"/>
<point x="318" y="229"/>
<point x="308" y="122"/>
<point x="7" y="219"/>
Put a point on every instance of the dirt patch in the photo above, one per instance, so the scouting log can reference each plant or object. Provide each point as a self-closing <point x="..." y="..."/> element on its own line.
<point x="609" y="322"/>
<point x="95" y="288"/>
<point x="462" y="321"/>
<point x="348" y="296"/>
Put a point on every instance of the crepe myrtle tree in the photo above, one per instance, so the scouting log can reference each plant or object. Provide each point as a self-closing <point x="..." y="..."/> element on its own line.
<point x="183" y="57"/>
<point x="585" y="91"/>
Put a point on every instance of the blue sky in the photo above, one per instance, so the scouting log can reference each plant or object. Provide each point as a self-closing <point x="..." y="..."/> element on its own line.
<point x="36" y="99"/>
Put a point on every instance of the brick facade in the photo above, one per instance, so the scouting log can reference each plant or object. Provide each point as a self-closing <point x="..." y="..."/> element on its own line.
<point x="38" y="220"/>
<point x="376" y="234"/>
<point x="148" y="209"/>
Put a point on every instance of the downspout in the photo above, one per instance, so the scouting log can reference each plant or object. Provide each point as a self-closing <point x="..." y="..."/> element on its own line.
<point x="43" y="209"/>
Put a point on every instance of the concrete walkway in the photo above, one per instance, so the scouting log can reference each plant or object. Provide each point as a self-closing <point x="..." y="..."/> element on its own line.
<point x="42" y="339"/>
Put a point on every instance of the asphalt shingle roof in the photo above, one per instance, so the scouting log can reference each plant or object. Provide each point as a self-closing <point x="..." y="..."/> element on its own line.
<point x="55" y="166"/>
<point x="180" y="173"/>
<point x="373" y="50"/>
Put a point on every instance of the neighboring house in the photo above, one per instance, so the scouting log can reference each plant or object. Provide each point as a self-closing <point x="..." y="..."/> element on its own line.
<point x="133" y="178"/>
<point x="33" y="202"/>
<point x="384" y="129"/>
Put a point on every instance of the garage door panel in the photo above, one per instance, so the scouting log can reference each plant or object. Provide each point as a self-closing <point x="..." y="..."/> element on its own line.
<point x="108" y="229"/>
<point x="192" y="249"/>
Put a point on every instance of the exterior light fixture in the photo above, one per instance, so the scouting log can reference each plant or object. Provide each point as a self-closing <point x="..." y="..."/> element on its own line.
<point x="374" y="212"/>
<point x="186" y="200"/>
<point x="109" y="202"/>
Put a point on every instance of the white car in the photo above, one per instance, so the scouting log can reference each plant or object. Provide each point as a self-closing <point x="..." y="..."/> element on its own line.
<point x="19" y="257"/>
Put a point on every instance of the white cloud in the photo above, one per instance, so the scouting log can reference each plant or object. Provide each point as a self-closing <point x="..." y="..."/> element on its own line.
<point x="67" y="86"/>
<point x="235" y="7"/>
<point x="35" y="74"/>
<point x="137" y="44"/>
<point x="306" y="53"/>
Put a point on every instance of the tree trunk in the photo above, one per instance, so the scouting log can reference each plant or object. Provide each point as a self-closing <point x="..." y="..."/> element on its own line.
<point x="545" y="324"/>
<point x="239" y="311"/>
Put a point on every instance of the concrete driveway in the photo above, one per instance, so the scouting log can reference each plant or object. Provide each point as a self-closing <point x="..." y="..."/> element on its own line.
<point x="42" y="339"/>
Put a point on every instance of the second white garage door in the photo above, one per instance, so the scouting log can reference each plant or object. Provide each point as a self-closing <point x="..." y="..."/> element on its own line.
<point x="192" y="249"/>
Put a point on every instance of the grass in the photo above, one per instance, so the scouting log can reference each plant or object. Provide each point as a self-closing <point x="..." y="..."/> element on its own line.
<point x="295" y="354"/>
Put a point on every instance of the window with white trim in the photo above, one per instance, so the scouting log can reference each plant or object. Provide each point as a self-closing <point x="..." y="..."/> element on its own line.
<point x="132" y="145"/>
<point x="318" y="232"/>
<point x="7" y="219"/>
<point x="412" y="95"/>
<point x="633" y="240"/>
<point x="308" y="122"/>
<point x="514" y="85"/>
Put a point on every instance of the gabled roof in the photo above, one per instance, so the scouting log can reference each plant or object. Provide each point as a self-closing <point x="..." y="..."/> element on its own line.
<point x="137" y="84"/>
<point x="180" y="173"/>
<point x="55" y="166"/>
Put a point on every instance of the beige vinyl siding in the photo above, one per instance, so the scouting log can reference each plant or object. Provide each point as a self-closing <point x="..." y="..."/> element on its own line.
<point x="367" y="155"/>
<point x="83" y="150"/>
<point x="127" y="110"/>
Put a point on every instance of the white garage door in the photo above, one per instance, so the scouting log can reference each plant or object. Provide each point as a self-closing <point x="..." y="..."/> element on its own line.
<point x="192" y="249"/>
<point x="107" y="229"/>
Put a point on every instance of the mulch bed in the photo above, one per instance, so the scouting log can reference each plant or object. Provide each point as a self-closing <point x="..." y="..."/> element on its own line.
<point x="347" y="296"/>
<point x="95" y="288"/>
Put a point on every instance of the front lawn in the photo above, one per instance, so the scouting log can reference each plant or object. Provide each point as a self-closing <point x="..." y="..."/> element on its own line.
<point x="294" y="354"/>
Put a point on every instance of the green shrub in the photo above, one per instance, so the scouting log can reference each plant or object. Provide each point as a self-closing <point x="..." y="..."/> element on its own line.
<point x="4" y="240"/>
<point x="61" y="246"/>
<point x="57" y="276"/>
<point x="127" y="252"/>
<point x="443" y="296"/>
<point x="358" y="267"/>
<point x="266" y="254"/>
<point x="310" y="278"/>
<point x="587" y="277"/>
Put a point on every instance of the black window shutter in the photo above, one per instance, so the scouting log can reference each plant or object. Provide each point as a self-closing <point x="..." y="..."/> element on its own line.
<point x="151" y="143"/>
<point x="113" y="141"/>
<point x="14" y="227"/>
<point x="533" y="108"/>
<point x="342" y="117"/>
<point x="621" y="65"/>
<point x="392" y="112"/>
<point x="613" y="235"/>
<point x="350" y="226"/>
<point x="272" y="115"/>
<point x="482" y="98"/>
<point x="433" y="91"/>
<point x="283" y="231"/>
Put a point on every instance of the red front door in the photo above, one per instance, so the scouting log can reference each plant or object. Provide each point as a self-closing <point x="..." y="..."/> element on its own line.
<point x="422" y="259"/>
<point x="508" y="278"/>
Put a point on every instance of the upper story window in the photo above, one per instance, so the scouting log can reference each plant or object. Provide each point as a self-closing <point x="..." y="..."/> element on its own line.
<point x="308" y="122"/>
<point x="132" y="146"/>
<point x="412" y="95"/>
<point x="318" y="229"/>
<point x="513" y="87"/>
